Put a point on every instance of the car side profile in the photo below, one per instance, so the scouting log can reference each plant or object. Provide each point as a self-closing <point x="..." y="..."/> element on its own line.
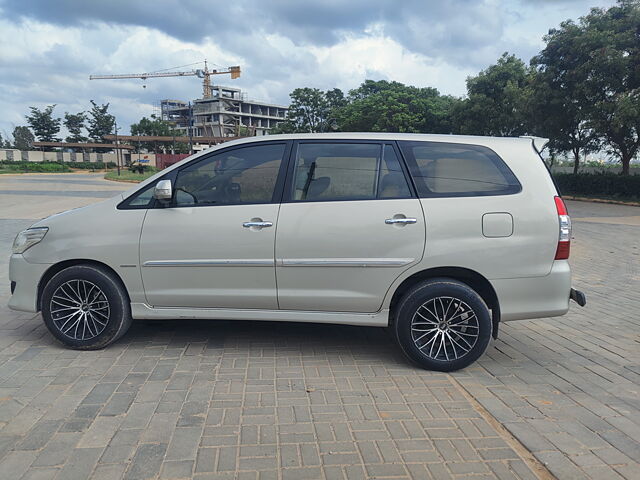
<point x="438" y="237"/>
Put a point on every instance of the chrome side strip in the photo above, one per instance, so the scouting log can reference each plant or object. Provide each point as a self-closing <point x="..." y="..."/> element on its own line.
<point x="211" y="263"/>
<point x="345" y="262"/>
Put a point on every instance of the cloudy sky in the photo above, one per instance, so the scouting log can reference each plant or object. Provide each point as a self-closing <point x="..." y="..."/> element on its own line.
<point x="49" y="48"/>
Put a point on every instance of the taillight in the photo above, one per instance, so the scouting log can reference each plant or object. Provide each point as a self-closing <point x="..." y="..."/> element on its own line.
<point x="564" y="236"/>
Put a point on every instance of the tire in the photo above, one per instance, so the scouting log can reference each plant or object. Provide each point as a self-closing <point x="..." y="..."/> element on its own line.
<point x="442" y="342"/>
<point x="86" y="307"/>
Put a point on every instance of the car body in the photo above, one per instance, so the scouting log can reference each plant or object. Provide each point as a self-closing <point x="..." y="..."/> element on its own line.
<point x="327" y="228"/>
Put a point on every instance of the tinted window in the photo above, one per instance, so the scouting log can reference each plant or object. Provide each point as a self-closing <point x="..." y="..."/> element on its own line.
<point x="241" y="175"/>
<point x="447" y="169"/>
<point x="326" y="171"/>
<point x="142" y="199"/>
<point x="392" y="183"/>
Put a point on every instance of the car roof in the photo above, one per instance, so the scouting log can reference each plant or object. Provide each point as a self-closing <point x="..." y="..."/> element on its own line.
<point x="425" y="137"/>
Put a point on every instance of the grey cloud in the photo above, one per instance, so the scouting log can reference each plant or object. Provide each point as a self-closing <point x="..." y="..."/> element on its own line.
<point x="431" y="27"/>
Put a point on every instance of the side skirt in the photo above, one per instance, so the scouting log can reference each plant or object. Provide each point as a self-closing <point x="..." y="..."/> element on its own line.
<point x="143" y="311"/>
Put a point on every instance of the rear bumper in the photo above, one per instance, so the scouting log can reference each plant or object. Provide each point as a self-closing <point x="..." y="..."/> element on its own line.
<point x="26" y="276"/>
<point x="535" y="297"/>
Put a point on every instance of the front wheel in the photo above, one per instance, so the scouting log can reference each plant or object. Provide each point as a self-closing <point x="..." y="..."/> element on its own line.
<point x="442" y="325"/>
<point x="85" y="307"/>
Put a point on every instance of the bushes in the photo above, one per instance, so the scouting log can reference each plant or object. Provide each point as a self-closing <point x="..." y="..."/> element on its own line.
<point x="9" y="165"/>
<point x="599" y="185"/>
<point x="44" y="167"/>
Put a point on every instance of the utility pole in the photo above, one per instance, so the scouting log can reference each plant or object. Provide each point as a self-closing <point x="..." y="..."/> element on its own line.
<point x="117" y="149"/>
<point x="190" y="129"/>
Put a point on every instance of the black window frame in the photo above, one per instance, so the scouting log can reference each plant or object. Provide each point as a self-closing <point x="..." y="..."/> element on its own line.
<point x="173" y="175"/>
<point x="289" y="185"/>
<point x="405" y="147"/>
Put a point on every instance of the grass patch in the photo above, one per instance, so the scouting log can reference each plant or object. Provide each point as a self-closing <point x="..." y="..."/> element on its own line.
<point x="127" y="176"/>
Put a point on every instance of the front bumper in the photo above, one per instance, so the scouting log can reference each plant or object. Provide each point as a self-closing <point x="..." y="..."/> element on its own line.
<point x="26" y="276"/>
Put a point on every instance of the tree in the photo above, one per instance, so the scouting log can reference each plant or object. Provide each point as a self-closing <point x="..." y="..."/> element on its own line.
<point x="23" y="138"/>
<point x="591" y="72"/>
<point x="43" y="124"/>
<point x="609" y="43"/>
<point x="100" y="122"/>
<point x="157" y="127"/>
<point x="383" y="106"/>
<point x="310" y="110"/>
<point x="74" y="124"/>
<point x="557" y="103"/>
<point x="495" y="100"/>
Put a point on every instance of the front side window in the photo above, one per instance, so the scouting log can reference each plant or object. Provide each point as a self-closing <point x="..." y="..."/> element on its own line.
<point x="347" y="171"/>
<point x="451" y="170"/>
<point x="239" y="176"/>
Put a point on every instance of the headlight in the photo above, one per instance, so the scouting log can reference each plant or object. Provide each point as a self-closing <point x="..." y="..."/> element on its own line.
<point x="28" y="238"/>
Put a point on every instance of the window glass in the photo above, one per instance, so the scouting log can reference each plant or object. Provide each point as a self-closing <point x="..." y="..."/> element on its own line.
<point x="241" y="175"/>
<point x="327" y="171"/>
<point x="142" y="199"/>
<point x="392" y="182"/>
<point x="447" y="169"/>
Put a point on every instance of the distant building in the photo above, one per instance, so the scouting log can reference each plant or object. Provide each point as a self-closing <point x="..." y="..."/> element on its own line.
<point x="224" y="114"/>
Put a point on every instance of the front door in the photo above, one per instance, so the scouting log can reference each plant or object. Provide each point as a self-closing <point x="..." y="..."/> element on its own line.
<point x="349" y="226"/>
<point x="213" y="245"/>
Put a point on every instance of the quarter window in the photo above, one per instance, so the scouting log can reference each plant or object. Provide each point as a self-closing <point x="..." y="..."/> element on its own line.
<point x="449" y="170"/>
<point x="347" y="171"/>
<point x="241" y="175"/>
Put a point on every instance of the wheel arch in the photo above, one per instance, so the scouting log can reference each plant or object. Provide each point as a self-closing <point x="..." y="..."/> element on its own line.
<point x="58" y="267"/>
<point x="473" y="279"/>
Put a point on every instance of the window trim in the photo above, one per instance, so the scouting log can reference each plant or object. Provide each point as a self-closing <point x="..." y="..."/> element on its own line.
<point x="497" y="160"/>
<point x="289" y="181"/>
<point x="173" y="174"/>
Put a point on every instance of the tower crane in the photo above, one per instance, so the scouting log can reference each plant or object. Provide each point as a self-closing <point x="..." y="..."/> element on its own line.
<point x="204" y="73"/>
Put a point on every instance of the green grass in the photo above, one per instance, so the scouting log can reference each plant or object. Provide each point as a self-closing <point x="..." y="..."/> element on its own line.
<point x="127" y="176"/>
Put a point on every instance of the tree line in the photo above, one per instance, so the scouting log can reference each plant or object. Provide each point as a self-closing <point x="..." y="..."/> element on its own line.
<point x="82" y="126"/>
<point x="582" y="91"/>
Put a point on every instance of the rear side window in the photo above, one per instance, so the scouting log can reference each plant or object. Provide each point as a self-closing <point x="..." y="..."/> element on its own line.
<point x="347" y="171"/>
<point x="458" y="170"/>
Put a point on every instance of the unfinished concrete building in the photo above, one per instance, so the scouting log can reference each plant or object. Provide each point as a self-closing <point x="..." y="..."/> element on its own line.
<point x="223" y="115"/>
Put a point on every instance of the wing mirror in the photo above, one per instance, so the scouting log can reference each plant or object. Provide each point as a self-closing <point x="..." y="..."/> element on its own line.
<point x="163" y="191"/>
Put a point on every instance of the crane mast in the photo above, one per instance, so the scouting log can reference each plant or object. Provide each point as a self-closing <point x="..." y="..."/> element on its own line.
<point x="204" y="73"/>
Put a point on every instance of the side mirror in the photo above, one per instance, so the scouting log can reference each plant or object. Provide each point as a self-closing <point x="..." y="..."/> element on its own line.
<point x="163" y="191"/>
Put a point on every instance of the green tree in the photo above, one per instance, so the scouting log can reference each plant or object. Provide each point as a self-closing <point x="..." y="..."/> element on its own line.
<point x="154" y="126"/>
<point x="43" y="124"/>
<point x="75" y="124"/>
<point x="100" y="122"/>
<point x="495" y="100"/>
<point x="383" y="106"/>
<point x="557" y="103"/>
<point x="311" y="110"/>
<point x="609" y="43"/>
<point x="591" y="83"/>
<point x="22" y="138"/>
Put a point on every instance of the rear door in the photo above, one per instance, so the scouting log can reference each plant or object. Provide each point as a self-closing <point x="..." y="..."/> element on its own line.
<point x="349" y="225"/>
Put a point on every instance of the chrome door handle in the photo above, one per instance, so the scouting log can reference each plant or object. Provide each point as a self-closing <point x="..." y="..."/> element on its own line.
<point x="257" y="224"/>
<point x="391" y="221"/>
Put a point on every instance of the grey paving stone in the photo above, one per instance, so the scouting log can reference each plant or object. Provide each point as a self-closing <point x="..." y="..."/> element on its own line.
<point x="146" y="462"/>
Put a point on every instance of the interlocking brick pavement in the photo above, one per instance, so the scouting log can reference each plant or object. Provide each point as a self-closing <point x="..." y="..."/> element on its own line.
<point x="250" y="400"/>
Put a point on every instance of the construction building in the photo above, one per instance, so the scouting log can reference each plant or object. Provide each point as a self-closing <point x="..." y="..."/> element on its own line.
<point x="223" y="114"/>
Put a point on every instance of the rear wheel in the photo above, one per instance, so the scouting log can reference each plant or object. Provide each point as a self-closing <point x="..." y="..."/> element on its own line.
<point x="442" y="325"/>
<point x="85" y="307"/>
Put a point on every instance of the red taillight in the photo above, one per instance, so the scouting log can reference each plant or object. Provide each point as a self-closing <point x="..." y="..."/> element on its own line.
<point x="564" y="234"/>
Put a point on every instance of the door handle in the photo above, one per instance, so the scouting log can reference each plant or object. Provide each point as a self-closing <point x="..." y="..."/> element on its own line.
<point x="404" y="221"/>
<point x="257" y="224"/>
